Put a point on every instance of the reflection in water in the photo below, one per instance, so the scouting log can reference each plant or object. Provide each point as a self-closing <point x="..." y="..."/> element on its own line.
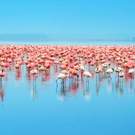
<point x="86" y="89"/>
<point x="32" y="78"/>
<point x="83" y="68"/>
<point x="18" y="74"/>
<point x="99" y="82"/>
<point x="1" y="91"/>
<point x="119" y="86"/>
<point x="72" y="85"/>
<point x="131" y="86"/>
<point x="111" y="83"/>
<point x="46" y="76"/>
<point x="34" y="89"/>
<point x="62" y="90"/>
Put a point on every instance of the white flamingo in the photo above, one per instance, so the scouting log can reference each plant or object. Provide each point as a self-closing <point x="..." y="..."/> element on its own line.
<point x="118" y="69"/>
<point x="131" y="71"/>
<point x="121" y="74"/>
<point x="87" y="74"/>
<point x="109" y="70"/>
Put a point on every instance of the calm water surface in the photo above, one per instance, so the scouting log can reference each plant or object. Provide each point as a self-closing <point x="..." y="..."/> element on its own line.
<point x="100" y="107"/>
<point x="50" y="39"/>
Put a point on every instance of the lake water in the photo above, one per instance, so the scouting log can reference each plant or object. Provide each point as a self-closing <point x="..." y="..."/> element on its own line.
<point x="100" y="107"/>
<point x="51" y="39"/>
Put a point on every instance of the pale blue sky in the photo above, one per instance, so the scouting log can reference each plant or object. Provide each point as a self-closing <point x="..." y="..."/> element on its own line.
<point x="90" y="18"/>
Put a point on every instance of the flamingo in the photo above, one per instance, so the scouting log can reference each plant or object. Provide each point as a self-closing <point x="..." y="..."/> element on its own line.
<point x="62" y="76"/>
<point x="2" y="73"/>
<point x="110" y="70"/>
<point x="87" y="74"/>
<point x="131" y="71"/>
<point x="98" y="69"/>
<point x="34" y="72"/>
<point x="42" y="68"/>
<point x="118" y="69"/>
<point x="121" y="74"/>
<point x="71" y="61"/>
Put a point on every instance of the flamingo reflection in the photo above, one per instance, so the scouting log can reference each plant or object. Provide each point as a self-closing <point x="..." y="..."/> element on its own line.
<point x="34" y="73"/>
<point x="86" y="91"/>
<point x="119" y="86"/>
<point x="61" y="90"/>
<point x="2" y="75"/>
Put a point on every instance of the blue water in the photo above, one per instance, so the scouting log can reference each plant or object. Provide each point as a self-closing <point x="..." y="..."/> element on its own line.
<point x="105" y="108"/>
<point x="41" y="108"/>
<point x="51" y="39"/>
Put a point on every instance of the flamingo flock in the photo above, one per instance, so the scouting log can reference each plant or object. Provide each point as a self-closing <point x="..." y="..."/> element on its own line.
<point x="68" y="63"/>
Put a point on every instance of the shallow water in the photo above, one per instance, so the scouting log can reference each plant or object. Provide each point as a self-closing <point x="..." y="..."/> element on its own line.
<point x="50" y="39"/>
<point x="100" y="106"/>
